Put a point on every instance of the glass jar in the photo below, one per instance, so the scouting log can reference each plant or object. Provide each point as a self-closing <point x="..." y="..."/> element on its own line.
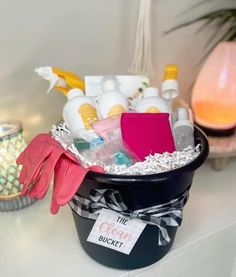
<point x="12" y="143"/>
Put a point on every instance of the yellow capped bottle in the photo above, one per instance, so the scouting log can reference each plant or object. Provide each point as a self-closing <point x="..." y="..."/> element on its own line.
<point x="170" y="88"/>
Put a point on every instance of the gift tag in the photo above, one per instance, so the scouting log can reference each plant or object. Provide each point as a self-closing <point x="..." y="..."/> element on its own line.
<point x="115" y="231"/>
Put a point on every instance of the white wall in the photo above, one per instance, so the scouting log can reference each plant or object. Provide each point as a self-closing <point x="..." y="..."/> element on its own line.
<point x="87" y="37"/>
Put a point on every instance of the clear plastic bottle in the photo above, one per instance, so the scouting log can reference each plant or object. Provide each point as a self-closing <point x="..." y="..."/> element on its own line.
<point x="112" y="102"/>
<point x="183" y="130"/>
<point x="152" y="102"/>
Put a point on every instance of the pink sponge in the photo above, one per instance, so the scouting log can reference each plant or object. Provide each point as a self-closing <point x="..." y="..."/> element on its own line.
<point x="147" y="133"/>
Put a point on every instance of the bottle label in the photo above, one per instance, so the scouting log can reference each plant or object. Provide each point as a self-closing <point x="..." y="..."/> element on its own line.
<point x="88" y="115"/>
<point x="115" y="110"/>
<point x="152" y="109"/>
<point x="115" y="231"/>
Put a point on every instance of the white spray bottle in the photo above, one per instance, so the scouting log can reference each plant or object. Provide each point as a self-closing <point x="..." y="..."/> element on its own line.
<point x="79" y="112"/>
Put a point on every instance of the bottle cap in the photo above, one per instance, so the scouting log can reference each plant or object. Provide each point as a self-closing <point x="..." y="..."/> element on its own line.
<point x="149" y="92"/>
<point x="171" y="72"/>
<point x="182" y="114"/>
<point x="183" y="118"/>
<point x="74" y="93"/>
<point x="109" y="83"/>
<point x="170" y="89"/>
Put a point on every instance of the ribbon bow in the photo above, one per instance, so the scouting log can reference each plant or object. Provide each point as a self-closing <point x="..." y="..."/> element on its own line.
<point x="167" y="214"/>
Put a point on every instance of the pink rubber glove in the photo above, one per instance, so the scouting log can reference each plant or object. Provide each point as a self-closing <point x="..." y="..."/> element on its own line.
<point x="67" y="179"/>
<point x="38" y="160"/>
<point x="32" y="159"/>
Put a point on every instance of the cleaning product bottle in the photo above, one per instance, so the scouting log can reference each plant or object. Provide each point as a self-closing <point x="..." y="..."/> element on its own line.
<point x="60" y="79"/>
<point x="170" y="88"/>
<point x="183" y="130"/>
<point x="79" y="112"/>
<point x="112" y="101"/>
<point x="152" y="102"/>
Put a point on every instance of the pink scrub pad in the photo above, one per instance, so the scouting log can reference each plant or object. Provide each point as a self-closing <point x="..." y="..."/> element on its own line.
<point x="147" y="133"/>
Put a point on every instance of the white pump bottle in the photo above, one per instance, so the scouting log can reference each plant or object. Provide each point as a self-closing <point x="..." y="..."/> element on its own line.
<point x="79" y="112"/>
<point x="152" y="102"/>
<point x="112" y="102"/>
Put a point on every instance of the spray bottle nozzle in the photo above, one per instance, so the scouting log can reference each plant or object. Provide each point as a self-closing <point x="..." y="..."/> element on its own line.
<point x="59" y="79"/>
<point x="170" y="89"/>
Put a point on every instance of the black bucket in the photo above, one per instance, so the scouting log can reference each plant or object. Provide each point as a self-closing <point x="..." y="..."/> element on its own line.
<point x="139" y="192"/>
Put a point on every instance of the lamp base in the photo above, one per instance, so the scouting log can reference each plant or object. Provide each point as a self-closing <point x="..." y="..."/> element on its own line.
<point x="216" y="132"/>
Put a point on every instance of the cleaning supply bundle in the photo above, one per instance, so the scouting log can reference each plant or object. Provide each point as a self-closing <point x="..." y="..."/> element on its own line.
<point x="90" y="119"/>
<point x="103" y="134"/>
<point x="114" y="161"/>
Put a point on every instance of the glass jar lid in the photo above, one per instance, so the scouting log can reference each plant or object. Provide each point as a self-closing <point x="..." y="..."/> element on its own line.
<point x="9" y="128"/>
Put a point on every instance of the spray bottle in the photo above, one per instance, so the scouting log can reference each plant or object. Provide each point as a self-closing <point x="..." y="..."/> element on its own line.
<point x="79" y="112"/>
<point x="170" y="88"/>
<point x="60" y="79"/>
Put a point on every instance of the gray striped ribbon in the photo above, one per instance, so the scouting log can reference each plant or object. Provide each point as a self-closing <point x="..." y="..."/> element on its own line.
<point x="167" y="214"/>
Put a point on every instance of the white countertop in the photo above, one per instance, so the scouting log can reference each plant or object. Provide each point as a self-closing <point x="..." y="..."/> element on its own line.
<point x="36" y="243"/>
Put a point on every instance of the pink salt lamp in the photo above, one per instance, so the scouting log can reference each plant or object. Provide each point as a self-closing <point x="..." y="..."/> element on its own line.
<point x="214" y="93"/>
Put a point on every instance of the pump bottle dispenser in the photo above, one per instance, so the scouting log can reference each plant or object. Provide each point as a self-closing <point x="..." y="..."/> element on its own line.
<point x="170" y="88"/>
<point x="112" y="102"/>
<point x="152" y="102"/>
<point x="79" y="112"/>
